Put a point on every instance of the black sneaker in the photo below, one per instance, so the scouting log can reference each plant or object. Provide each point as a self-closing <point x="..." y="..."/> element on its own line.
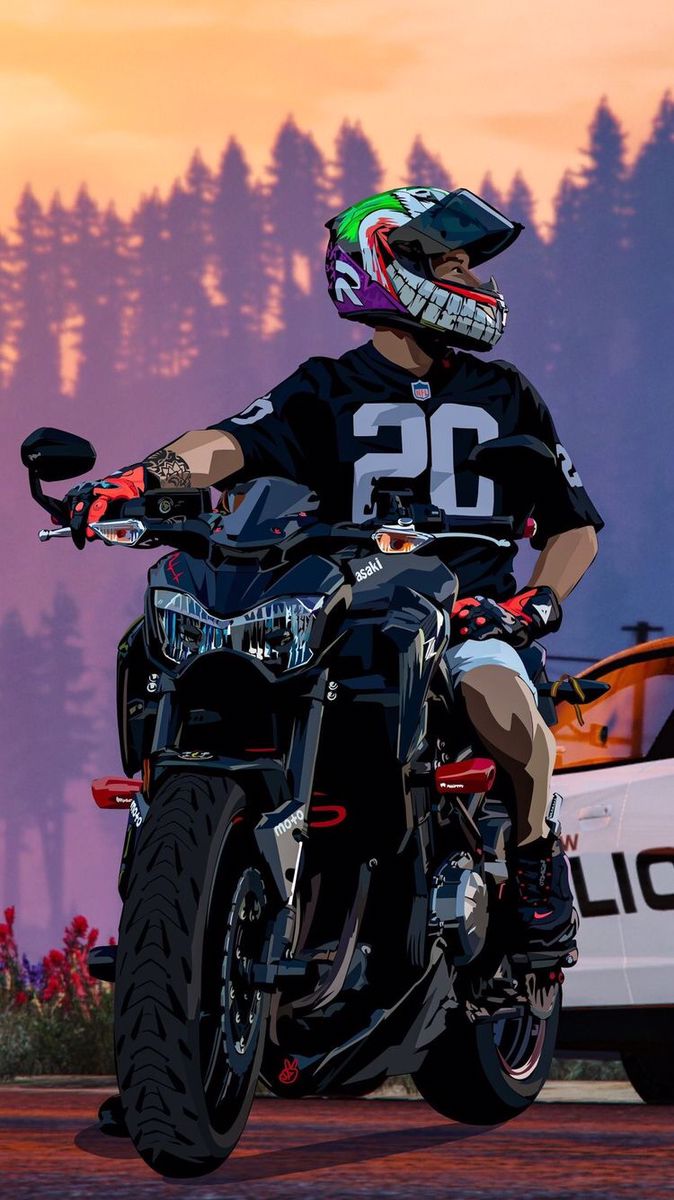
<point x="546" y="916"/>
<point x="111" y="1118"/>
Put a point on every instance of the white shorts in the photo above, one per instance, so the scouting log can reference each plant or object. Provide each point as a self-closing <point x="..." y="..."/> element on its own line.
<point x="492" y="652"/>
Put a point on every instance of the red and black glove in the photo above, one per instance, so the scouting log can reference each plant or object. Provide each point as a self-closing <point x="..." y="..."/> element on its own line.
<point x="519" y="620"/>
<point x="88" y="502"/>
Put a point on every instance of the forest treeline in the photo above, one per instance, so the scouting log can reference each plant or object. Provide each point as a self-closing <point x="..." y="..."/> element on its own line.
<point x="219" y="286"/>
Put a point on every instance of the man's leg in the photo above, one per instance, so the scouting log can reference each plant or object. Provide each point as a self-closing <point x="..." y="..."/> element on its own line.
<point x="502" y="710"/>
<point x="501" y="706"/>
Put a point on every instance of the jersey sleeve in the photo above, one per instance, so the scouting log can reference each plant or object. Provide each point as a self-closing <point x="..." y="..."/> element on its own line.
<point x="273" y="430"/>
<point x="562" y="503"/>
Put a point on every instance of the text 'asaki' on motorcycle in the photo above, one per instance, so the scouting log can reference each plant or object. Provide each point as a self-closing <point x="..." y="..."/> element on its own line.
<point x="314" y="879"/>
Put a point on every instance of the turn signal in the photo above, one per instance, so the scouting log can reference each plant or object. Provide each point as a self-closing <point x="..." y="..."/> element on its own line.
<point x="470" y="775"/>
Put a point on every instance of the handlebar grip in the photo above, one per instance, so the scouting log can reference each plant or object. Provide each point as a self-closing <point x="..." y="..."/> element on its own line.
<point x="45" y="535"/>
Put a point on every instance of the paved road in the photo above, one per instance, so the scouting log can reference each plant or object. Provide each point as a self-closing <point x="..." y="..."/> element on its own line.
<point x="342" y="1150"/>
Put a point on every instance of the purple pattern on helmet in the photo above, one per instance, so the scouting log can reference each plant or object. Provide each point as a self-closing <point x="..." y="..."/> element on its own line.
<point x="372" y="296"/>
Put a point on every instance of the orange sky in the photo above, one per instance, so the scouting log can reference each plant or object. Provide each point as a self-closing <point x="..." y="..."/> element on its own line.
<point x="119" y="92"/>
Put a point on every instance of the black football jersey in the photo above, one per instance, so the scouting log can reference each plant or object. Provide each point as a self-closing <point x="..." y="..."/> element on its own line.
<point x="337" y="424"/>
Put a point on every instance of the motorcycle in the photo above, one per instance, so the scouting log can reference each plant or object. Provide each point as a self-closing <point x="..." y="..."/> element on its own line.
<point x="314" y="876"/>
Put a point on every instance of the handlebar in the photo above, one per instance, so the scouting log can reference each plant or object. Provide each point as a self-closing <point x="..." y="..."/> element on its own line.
<point x="45" y="535"/>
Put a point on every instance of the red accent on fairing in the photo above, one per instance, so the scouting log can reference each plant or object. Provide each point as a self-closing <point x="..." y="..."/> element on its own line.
<point x="236" y="820"/>
<point x="115" y="791"/>
<point x="516" y="605"/>
<point x="470" y="775"/>
<point x="290" y="1071"/>
<point x="530" y="527"/>
<point x="171" y="561"/>
<point x="338" y="809"/>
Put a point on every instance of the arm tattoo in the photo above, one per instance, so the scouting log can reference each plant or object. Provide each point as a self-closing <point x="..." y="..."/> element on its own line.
<point x="169" y="468"/>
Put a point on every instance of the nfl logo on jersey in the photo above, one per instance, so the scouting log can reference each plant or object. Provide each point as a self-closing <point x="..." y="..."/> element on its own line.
<point x="421" y="390"/>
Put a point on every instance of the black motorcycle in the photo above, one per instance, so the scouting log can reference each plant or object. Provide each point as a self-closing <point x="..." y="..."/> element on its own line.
<point x="314" y="877"/>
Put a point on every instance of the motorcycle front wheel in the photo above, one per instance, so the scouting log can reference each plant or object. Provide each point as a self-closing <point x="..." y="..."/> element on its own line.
<point x="189" y="1021"/>
<point x="487" y="1073"/>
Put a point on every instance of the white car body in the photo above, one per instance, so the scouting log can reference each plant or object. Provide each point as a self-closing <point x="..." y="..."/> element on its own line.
<point x="616" y="774"/>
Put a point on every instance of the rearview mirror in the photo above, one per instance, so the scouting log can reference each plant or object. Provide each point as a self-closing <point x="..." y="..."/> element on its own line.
<point x="53" y="454"/>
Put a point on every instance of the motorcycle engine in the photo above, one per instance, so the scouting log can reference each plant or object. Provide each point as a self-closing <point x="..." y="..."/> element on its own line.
<point x="459" y="908"/>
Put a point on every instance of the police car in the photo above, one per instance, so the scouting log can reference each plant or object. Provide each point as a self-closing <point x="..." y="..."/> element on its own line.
<point x="615" y="770"/>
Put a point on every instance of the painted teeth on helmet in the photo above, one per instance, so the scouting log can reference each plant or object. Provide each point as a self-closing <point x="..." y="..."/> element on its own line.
<point x="408" y="276"/>
<point x="427" y="288"/>
<point x="415" y="306"/>
<point x="448" y="318"/>
<point x="407" y="294"/>
<point x="430" y="314"/>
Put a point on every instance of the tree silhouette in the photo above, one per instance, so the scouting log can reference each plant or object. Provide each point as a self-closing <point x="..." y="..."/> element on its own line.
<point x="8" y="321"/>
<point x="150" y="350"/>
<point x="296" y="209"/>
<point x="36" y="346"/>
<point x="19" y="658"/>
<point x="358" y="172"/>
<point x="66" y="730"/>
<point x="588" y="256"/>
<point x="100" y="281"/>
<point x="490" y="192"/>
<point x="425" y="169"/>
<point x="523" y="276"/>
<point x="242" y="279"/>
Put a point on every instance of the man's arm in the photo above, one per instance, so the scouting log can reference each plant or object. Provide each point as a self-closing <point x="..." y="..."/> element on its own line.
<point x="198" y="459"/>
<point x="564" y="560"/>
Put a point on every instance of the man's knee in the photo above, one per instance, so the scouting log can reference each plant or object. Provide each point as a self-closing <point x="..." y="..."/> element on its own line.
<point x="502" y="709"/>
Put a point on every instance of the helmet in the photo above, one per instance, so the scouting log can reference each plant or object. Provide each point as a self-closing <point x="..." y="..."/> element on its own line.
<point x="379" y="267"/>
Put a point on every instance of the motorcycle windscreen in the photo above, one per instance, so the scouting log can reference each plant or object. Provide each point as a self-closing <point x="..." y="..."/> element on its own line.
<point x="460" y="221"/>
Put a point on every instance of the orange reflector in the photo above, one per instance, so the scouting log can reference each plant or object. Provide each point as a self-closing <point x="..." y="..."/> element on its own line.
<point x="114" y="792"/>
<point x="397" y="543"/>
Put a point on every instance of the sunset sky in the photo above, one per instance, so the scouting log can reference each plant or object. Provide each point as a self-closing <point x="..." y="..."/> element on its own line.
<point x="119" y="92"/>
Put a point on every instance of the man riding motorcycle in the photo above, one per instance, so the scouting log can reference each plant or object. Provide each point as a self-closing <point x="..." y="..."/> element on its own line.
<point x="411" y="404"/>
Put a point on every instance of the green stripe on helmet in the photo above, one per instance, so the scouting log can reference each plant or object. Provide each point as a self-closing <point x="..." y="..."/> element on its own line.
<point x="349" y="221"/>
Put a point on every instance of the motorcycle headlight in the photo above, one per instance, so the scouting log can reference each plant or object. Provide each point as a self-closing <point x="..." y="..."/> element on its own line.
<point x="278" y="633"/>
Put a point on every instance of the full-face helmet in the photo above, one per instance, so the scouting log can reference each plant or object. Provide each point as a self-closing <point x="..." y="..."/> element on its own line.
<point x="380" y="270"/>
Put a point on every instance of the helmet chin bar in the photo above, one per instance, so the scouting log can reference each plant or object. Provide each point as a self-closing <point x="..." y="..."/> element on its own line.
<point x="434" y="342"/>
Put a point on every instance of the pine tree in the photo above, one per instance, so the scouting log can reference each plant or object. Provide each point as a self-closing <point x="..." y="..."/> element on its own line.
<point x="150" y="324"/>
<point x="522" y="276"/>
<point x="18" y="659"/>
<point x="241" y="276"/>
<point x="358" y="172"/>
<point x="101" y="284"/>
<point x="67" y="734"/>
<point x="296" y="207"/>
<point x="425" y="169"/>
<point x="37" y="375"/>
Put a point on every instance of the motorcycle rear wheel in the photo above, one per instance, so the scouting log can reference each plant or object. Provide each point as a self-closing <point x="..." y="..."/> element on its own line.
<point x="487" y="1073"/>
<point x="189" y="1024"/>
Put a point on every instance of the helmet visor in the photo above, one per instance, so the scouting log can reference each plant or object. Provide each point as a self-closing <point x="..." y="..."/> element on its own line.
<point x="460" y="221"/>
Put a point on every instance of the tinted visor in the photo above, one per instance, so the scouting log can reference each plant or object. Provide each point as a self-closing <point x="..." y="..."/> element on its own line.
<point x="461" y="221"/>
